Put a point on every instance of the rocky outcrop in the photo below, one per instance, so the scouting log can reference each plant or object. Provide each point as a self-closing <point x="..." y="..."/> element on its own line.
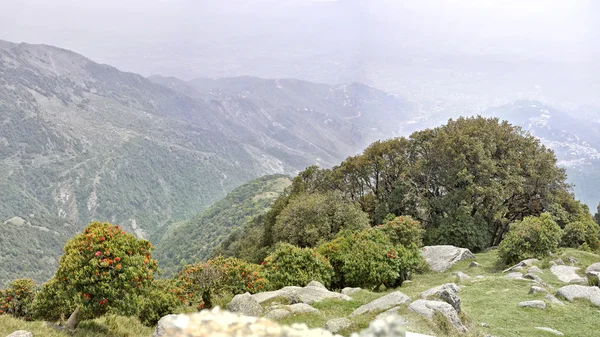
<point x="309" y="294"/>
<point x="440" y="258"/>
<point x="386" y="302"/>
<point x="429" y="308"/>
<point x="245" y="304"/>
<point x="567" y="274"/>
<point x="572" y="292"/>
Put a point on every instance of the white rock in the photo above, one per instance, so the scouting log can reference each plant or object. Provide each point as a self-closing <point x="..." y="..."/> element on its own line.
<point x="462" y="277"/>
<point x="383" y="303"/>
<point x="440" y="258"/>
<point x="553" y="300"/>
<point x="556" y="332"/>
<point x="435" y="291"/>
<point x="533" y="304"/>
<point x="349" y="291"/>
<point x="572" y="292"/>
<point x="428" y="308"/>
<point x="567" y="274"/>
<point x="335" y="325"/>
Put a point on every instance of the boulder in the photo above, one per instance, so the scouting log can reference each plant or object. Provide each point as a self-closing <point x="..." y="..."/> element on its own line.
<point x="515" y="276"/>
<point x="462" y="277"/>
<point x="349" y="291"/>
<point x="389" y="326"/>
<point x="245" y="304"/>
<point x="534" y="270"/>
<point x="449" y="296"/>
<point x="316" y="284"/>
<point x="435" y="291"/>
<point x="559" y="262"/>
<point x="335" y="325"/>
<point x="571" y="260"/>
<point x="474" y="264"/>
<point x="534" y="277"/>
<point x="277" y="314"/>
<point x="552" y="331"/>
<point x="21" y="333"/>
<point x="519" y="266"/>
<point x="567" y="274"/>
<point x="593" y="268"/>
<point x="536" y="289"/>
<point x="593" y="274"/>
<point x="308" y="295"/>
<point x="392" y="311"/>
<point x="532" y="304"/>
<point x="382" y="303"/>
<point x="572" y="292"/>
<point x="302" y="308"/>
<point x="440" y="258"/>
<point x="553" y="300"/>
<point x="428" y="308"/>
<point x="160" y="327"/>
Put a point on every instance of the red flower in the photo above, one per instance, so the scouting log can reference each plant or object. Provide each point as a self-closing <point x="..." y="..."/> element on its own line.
<point x="520" y="235"/>
<point x="97" y="254"/>
<point x="102" y="238"/>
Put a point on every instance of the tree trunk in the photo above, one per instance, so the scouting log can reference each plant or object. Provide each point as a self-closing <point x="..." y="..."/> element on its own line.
<point x="73" y="320"/>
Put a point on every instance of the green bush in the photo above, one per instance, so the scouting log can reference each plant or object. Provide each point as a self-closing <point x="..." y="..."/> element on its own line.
<point x="17" y="298"/>
<point x="52" y="303"/>
<point x="581" y="234"/>
<point x="533" y="237"/>
<point x="369" y="259"/>
<point x="160" y="300"/>
<point x="403" y="230"/>
<point x="292" y="266"/>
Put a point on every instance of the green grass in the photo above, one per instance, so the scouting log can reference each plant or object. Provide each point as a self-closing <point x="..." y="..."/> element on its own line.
<point x="101" y="327"/>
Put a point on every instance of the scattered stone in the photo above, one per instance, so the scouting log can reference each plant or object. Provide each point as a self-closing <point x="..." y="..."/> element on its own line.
<point x="316" y="284"/>
<point x="302" y="308"/>
<point x="160" y="327"/>
<point x="559" y="262"/>
<point x="572" y="292"/>
<point x="216" y="322"/>
<point x="474" y="264"/>
<point x="245" y="304"/>
<point x="485" y="325"/>
<point x="567" y="274"/>
<point x="462" y="277"/>
<point x="515" y="276"/>
<point x="435" y="291"/>
<point x="277" y="314"/>
<point x="571" y="260"/>
<point x="308" y="295"/>
<point x="532" y="304"/>
<point x="534" y="277"/>
<point x="349" y="291"/>
<point x="593" y="268"/>
<point x="21" y="333"/>
<point x="534" y="270"/>
<point x="552" y="263"/>
<point x="536" y="289"/>
<point x="449" y="296"/>
<point x="389" y="326"/>
<point x="428" y="308"/>
<point x="553" y="300"/>
<point x="386" y="302"/>
<point x="479" y="277"/>
<point x="519" y="266"/>
<point x="556" y="332"/>
<point x="440" y="258"/>
<point x="335" y="325"/>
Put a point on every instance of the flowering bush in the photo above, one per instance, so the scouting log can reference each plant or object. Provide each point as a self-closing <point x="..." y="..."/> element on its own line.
<point x="199" y="283"/>
<point x="369" y="259"/>
<point x="106" y="268"/>
<point x="292" y="266"/>
<point x="403" y="230"/>
<point x="533" y="237"/>
<point x="17" y="298"/>
<point x="158" y="301"/>
<point x="581" y="234"/>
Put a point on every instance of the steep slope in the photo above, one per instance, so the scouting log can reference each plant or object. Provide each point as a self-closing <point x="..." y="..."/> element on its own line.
<point x="82" y="141"/>
<point x="576" y="142"/>
<point x="193" y="240"/>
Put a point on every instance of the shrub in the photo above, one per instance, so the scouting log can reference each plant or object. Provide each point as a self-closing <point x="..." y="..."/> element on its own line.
<point x="403" y="230"/>
<point x="52" y="303"/>
<point x="533" y="237"/>
<point x="160" y="300"/>
<point x="369" y="259"/>
<point x="17" y="298"/>
<point x="292" y="266"/>
<point x="581" y="234"/>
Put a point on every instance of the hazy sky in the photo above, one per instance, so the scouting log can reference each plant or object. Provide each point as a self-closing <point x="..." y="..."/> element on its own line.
<point x="376" y="41"/>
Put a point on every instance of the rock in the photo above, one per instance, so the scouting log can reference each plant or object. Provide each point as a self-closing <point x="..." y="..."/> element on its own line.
<point x="593" y="268"/>
<point x="479" y="277"/>
<point x="593" y="278"/>
<point x="308" y="295"/>
<point x="552" y="263"/>
<point x="160" y="327"/>
<point x="567" y="274"/>
<point x="474" y="265"/>
<point x="21" y="333"/>
<point x="316" y="284"/>
<point x="245" y="304"/>
<point x="534" y="277"/>
<point x="536" y="289"/>
<point x="462" y="277"/>
<point x="435" y="291"/>
<point x="559" y="262"/>
<point x="556" y="332"/>
<point x="277" y="314"/>
<point x="389" y="326"/>
<point x="349" y="291"/>
<point x="449" y="296"/>
<point x="515" y="276"/>
<point x="571" y="260"/>
<point x="428" y="308"/>
<point x="519" y="266"/>
<point x="216" y="322"/>
<point x="383" y="303"/>
<point x="302" y="308"/>
<point x="532" y="304"/>
<point x="485" y="325"/>
<point x="440" y="258"/>
<point x="572" y="292"/>
<point x="534" y="270"/>
<point x="335" y="325"/>
<point x="553" y="300"/>
<point x="392" y="311"/>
